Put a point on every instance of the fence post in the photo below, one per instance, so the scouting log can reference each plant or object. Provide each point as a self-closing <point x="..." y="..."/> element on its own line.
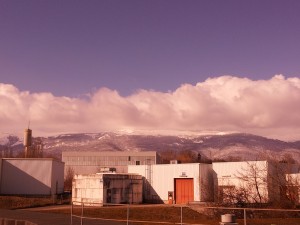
<point x="127" y="214"/>
<point x="71" y="212"/>
<point x="181" y="215"/>
<point x="81" y="218"/>
<point x="245" y="217"/>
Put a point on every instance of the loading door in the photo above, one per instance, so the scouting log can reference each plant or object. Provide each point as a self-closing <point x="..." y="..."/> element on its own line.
<point x="184" y="190"/>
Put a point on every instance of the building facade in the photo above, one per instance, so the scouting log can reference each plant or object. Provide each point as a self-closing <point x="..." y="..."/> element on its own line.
<point x="249" y="181"/>
<point x="176" y="183"/>
<point x="93" y="162"/>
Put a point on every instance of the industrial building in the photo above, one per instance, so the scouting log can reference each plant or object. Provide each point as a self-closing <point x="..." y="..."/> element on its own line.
<point x="107" y="188"/>
<point x="31" y="176"/>
<point x="176" y="183"/>
<point x="222" y="182"/>
<point x="91" y="162"/>
<point x="259" y="181"/>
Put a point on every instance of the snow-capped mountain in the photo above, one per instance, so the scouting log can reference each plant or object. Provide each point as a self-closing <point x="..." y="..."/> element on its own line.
<point x="213" y="147"/>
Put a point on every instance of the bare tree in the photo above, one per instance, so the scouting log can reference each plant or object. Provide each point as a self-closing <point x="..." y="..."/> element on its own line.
<point x="254" y="182"/>
<point x="7" y="149"/>
<point x="69" y="179"/>
<point x="293" y="188"/>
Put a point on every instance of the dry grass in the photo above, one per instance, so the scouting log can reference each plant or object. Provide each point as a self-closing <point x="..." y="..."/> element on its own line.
<point x="14" y="202"/>
<point x="170" y="214"/>
<point x="166" y="213"/>
<point x="162" y="213"/>
<point x="158" y="213"/>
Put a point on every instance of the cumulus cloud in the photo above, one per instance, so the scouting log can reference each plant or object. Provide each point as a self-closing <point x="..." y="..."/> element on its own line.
<point x="226" y="104"/>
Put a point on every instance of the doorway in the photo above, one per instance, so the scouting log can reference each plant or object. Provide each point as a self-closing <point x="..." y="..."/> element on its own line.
<point x="184" y="190"/>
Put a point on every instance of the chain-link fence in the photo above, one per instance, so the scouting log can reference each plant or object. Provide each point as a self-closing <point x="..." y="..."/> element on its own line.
<point x="118" y="214"/>
<point x="254" y="216"/>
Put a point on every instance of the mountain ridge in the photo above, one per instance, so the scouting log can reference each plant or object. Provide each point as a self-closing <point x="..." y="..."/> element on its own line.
<point x="234" y="146"/>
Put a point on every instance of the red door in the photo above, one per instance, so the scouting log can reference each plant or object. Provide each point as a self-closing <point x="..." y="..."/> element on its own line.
<point x="184" y="190"/>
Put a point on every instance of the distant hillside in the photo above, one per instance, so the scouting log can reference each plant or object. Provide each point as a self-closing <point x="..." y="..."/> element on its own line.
<point x="211" y="147"/>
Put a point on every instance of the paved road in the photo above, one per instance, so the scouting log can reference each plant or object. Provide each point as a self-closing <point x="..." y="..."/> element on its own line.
<point x="41" y="218"/>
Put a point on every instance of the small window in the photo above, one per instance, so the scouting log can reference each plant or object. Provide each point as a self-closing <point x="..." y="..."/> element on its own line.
<point x="137" y="163"/>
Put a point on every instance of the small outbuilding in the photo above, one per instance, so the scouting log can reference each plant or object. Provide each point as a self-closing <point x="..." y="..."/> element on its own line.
<point x="107" y="188"/>
<point x="31" y="176"/>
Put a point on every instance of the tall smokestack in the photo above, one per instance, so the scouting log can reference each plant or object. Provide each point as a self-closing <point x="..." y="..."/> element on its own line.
<point x="27" y="142"/>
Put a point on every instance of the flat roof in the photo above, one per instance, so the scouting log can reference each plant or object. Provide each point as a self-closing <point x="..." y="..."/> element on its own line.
<point x="108" y="153"/>
<point x="33" y="159"/>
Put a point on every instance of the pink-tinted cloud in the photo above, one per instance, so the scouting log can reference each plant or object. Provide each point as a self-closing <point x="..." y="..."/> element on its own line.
<point x="227" y="103"/>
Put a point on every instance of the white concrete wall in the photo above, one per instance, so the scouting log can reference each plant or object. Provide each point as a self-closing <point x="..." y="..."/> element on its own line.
<point x="30" y="176"/>
<point x="88" y="188"/>
<point x="57" y="177"/>
<point x="1" y="174"/>
<point x="26" y="177"/>
<point x="206" y="183"/>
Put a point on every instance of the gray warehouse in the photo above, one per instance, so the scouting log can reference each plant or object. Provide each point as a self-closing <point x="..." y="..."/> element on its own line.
<point x="91" y="162"/>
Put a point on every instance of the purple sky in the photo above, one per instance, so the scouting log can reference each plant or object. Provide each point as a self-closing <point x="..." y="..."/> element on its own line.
<point x="73" y="47"/>
<point x="157" y="65"/>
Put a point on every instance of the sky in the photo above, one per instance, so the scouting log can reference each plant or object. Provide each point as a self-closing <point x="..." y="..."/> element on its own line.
<point x="156" y="66"/>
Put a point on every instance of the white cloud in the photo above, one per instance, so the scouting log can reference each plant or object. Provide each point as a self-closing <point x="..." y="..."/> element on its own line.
<point x="264" y="107"/>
